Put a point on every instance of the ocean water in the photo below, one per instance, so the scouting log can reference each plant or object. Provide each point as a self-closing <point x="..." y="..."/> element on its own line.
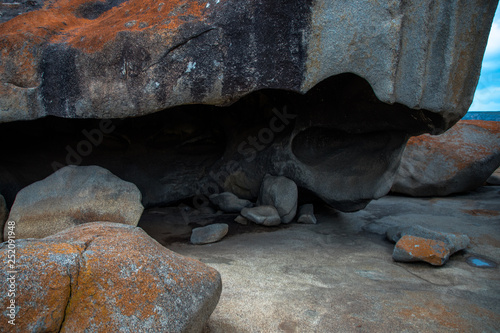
<point x="482" y="115"/>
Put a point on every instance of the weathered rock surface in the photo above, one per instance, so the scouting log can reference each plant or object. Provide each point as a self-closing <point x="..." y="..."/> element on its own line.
<point x="71" y="196"/>
<point x="108" y="277"/>
<point x="281" y="193"/>
<point x="265" y="215"/>
<point x="352" y="284"/>
<point x="128" y="58"/>
<point x="417" y="243"/>
<point x="209" y="234"/>
<point x="229" y="202"/>
<point x="306" y="214"/>
<point x="459" y="160"/>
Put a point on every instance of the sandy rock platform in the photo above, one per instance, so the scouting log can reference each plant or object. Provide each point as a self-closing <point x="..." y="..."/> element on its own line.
<point x="339" y="276"/>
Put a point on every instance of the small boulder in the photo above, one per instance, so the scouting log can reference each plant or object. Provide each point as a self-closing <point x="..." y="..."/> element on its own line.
<point x="459" y="160"/>
<point x="264" y="215"/>
<point x="229" y="203"/>
<point x="241" y="220"/>
<point x="209" y="234"/>
<point x="417" y="243"/>
<point x="108" y="277"/>
<point x="306" y="214"/>
<point x="412" y="248"/>
<point x="71" y="196"/>
<point x="282" y="193"/>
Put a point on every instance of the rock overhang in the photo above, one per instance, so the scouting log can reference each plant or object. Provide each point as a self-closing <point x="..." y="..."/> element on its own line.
<point x="116" y="59"/>
<point x="357" y="78"/>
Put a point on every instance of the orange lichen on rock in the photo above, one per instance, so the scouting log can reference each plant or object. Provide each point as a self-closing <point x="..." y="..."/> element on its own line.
<point x="60" y="22"/>
<point x="436" y="146"/>
<point x="447" y="317"/>
<point x="417" y="248"/>
<point x="105" y="276"/>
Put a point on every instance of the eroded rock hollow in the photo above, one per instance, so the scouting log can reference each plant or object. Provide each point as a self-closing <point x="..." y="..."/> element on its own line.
<point x="189" y="98"/>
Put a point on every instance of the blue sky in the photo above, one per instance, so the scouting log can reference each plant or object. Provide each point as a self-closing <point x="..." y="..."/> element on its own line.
<point x="487" y="96"/>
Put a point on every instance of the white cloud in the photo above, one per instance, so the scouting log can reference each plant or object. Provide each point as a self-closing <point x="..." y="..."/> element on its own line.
<point x="486" y="99"/>
<point x="493" y="47"/>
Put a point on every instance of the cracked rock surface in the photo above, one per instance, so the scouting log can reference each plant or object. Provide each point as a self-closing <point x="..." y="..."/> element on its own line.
<point x="108" y="277"/>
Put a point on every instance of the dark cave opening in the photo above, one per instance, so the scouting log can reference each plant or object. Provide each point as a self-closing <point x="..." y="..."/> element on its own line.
<point x="173" y="154"/>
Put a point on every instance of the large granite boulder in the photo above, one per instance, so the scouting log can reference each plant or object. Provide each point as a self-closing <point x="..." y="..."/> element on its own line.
<point x="459" y="160"/>
<point x="324" y="93"/>
<point x="106" y="277"/>
<point x="72" y="196"/>
<point x="121" y="58"/>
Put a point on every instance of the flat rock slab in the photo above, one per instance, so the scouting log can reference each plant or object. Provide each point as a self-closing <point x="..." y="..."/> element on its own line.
<point x="335" y="277"/>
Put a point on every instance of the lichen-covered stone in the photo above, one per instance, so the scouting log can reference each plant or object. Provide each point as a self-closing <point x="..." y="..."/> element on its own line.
<point x="417" y="243"/>
<point x="72" y="196"/>
<point x="108" y="277"/>
<point x="457" y="161"/>
<point x="412" y="248"/>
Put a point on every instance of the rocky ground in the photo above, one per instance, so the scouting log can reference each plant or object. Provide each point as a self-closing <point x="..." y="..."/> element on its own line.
<point x="338" y="275"/>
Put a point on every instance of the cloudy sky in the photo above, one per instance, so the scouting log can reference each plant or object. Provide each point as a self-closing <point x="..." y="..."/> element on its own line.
<point x="487" y="97"/>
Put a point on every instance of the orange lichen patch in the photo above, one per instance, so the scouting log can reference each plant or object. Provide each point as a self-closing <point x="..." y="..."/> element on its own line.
<point x="481" y="212"/>
<point x="428" y="250"/>
<point x="59" y="22"/>
<point x="460" y="149"/>
<point x="446" y="316"/>
<point x="493" y="126"/>
<point x="43" y="284"/>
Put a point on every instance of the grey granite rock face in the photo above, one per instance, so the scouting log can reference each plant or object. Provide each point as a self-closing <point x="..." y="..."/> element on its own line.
<point x="423" y="54"/>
